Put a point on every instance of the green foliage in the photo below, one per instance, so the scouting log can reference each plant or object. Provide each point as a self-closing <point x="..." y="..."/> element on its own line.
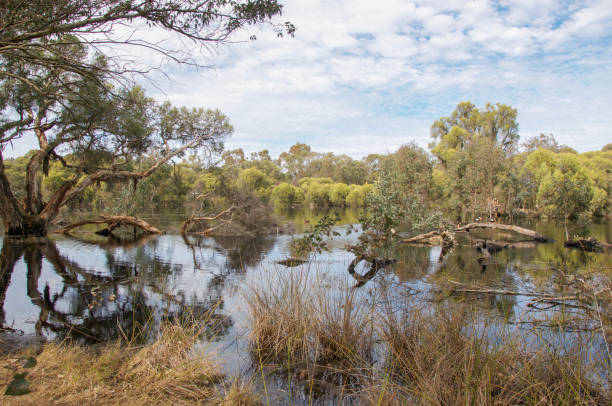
<point x="384" y="205"/>
<point x="255" y="181"/>
<point x="134" y="199"/>
<point x="338" y="193"/>
<point x="307" y="181"/>
<point x="495" y="122"/>
<point x="314" y="238"/>
<point x="286" y="196"/>
<point x="473" y="148"/>
<point x="358" y="195"/>
<point x="318" y="194"/>
<point x="397" y="199"/>
<point x="568" y="184"/>
<point x="565" y="191"/>
<point x="15" y="169"/>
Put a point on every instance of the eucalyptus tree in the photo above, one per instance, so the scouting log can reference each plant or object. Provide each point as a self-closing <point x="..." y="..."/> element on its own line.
<point x="57" y="83"/>
<point x="472" y="146"/>
<point x="95" y="133"/>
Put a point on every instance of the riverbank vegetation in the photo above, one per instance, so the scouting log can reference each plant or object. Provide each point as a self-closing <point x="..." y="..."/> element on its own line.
<point x="378" y="347"/>
<point x="476" y="169"/>
<point x="168" y="370"/>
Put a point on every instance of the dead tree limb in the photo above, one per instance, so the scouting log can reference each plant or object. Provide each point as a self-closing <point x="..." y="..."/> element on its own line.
<point x="376" y="264"/>
<point x="192" y="220"/>
<point x="588" y="244"/>
<point x="506" y="227"/>
<point x="112" y="223"/>
<point x="442" y="238"/>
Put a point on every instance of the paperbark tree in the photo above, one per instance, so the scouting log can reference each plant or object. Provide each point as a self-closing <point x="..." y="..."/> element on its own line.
<point x="56" y="83"/>
<point x="96" y="133"/>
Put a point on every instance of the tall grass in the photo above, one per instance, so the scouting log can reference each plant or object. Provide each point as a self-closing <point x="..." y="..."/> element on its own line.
<point x="295" y="317"/>
<point x="448" y="357"/>
<point x="431" y="354"/>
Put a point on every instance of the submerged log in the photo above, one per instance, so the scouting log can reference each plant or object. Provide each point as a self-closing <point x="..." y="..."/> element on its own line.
<point x="588" y="244"/>
<point x="291" y="262"/>
<point x="498" y="245"/>
<point x="506" y="227"/>
<point x="112" y="223"/>
<point x="375" y="265"/>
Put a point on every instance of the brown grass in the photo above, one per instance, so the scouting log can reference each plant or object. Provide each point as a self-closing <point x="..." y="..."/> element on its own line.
<point x="296" y="319"/>
<point x="434" y="360"/>
<point x="164" y="372"/>
<point x="436" y="354"/>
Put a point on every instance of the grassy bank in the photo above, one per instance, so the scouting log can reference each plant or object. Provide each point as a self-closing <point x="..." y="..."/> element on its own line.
<point x="166" y="371"/>
<point x="364" y="347"/>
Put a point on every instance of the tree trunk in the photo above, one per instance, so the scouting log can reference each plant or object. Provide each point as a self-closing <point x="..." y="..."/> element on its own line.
<point x="112" y="223"/>
<point x="31" y="226"/>
<point x="506" y="227"/>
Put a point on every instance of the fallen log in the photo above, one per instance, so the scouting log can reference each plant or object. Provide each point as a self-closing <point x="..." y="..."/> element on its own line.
<point x="487" y="291"/>
<point x="436" y="238"/>
<point x="112" y="223"/>
<point x="587" y="244"/>
<point x="506" y="227"/>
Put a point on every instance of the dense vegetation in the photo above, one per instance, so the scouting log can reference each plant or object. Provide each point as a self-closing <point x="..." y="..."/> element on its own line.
<point x="469" y="173"/>
<point x="472" y="171"/>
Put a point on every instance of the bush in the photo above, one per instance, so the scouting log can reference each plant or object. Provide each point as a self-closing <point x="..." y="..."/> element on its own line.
<point x="286" y="195"/>
<point x="338" y="194"/>
<point x="358" y="195"/>
<point x="254" y="180"/>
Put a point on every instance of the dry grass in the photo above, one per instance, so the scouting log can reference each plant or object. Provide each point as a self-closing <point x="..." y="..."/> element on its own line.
<point x="296" y="319"/>
<point x="241" y="393"/>
<point x="166" y="371"/>
<point x="434" y="360"/>
<point x="438" y="354"/>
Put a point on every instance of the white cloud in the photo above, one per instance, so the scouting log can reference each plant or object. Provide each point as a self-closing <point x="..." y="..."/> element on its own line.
<point x="363" y="76"/>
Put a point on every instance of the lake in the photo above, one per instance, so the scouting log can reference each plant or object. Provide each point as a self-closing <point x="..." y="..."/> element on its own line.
<point x="93" y="289"/>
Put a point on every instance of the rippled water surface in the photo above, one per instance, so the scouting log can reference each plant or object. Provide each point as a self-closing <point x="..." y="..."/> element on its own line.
<point x="94" y="289"/>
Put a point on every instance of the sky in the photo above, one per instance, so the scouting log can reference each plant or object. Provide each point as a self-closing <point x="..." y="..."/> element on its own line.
<point x="364" y="76"/>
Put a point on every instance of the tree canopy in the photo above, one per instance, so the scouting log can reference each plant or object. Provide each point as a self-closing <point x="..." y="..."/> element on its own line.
<point x="57" y="84"/>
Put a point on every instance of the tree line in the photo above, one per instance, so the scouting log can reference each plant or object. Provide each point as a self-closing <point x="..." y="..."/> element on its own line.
<point x="475" y="168"/>
<point x="103" y="144"/>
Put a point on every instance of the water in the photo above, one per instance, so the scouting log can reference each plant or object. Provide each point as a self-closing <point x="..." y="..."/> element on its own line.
<point x="93" y="289"/>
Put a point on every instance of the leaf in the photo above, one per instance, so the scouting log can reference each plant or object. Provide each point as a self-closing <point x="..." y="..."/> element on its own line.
<point x="18" y="386"/>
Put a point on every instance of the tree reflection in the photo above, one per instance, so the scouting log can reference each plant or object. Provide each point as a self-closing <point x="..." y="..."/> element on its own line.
<point x="126" y="299"/>
<point x="239" y="252"/>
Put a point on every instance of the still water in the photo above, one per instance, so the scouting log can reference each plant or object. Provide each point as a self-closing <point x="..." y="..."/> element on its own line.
<point x="94" y="289"/>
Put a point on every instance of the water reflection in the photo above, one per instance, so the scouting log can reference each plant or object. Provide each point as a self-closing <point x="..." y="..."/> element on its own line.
<point x="99" y="289"/>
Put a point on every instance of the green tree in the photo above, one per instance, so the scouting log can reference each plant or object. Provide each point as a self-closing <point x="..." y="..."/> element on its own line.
<point x="56" y="85"/>
<point x="102" y="132"/>
<point x="296" y="161"/>
<point x="338" y="194"/>
<point x="254" y="180"/>
<point x="541" y="141"/>
<point x="285" y="196"/>
<point x="473" y="148"/>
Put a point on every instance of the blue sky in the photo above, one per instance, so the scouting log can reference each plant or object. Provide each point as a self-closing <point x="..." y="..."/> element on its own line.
<point x="366" y="76"/>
